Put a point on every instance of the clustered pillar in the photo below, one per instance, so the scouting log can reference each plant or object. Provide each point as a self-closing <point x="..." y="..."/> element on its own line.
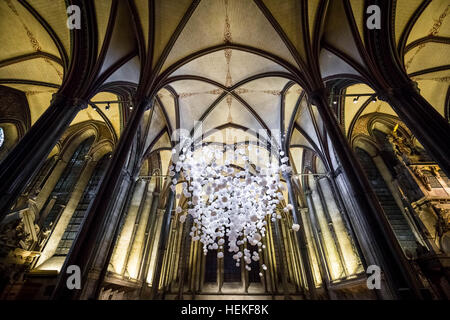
<point x="301" y="240"/>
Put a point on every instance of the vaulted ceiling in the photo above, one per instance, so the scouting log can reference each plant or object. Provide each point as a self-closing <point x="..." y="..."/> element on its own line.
<point x="239" y="66"/>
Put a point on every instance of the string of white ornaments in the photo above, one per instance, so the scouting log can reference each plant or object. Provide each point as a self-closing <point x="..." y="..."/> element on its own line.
<point x="227" y="201"/>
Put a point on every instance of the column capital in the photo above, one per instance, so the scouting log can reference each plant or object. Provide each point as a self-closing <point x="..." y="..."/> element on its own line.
<point x="58" y="98"/>
<point x="288" y="175"/>
<point x="316" y="94"/>
<point x="79" y="103"/>
<point x="126" y="173"/>
<point x="332" y="174"/>
<point x="145" y="101"/>
<point x="403" y="90"/>
<point x="148" y="101"/>
<point x="337" y="172"/>
<point x="318" y="178"/>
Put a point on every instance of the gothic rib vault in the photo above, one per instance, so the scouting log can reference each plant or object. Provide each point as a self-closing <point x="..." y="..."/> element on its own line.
<point x="260" y="54"/>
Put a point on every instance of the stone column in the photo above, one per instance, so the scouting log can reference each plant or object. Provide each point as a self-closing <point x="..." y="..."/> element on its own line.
<point x="25" y="159"/>
<point x="163" y="242"/>
<point x="176" y="251"/>
<point x="167" y="256"/>
<point x="183" y="259"/>
<point x="301" y="238"/>
<point x="325" y="203"/>
<point x="151" y="229"/>
<point x="119" y="257"/>
<point x="270" y="260"/>
<point x="244" y="274"/>
<point x="278" y="248"/>
<point x="315" y="226"/>
<point x="311" y="244"/>
<point x="344" y="240"/>
<point x="150" y="237"/>
<point x="154" y="246"/>
<point x="332" y="180"/>
<point x="137" y="249"/>
<point x="373" y="227"/>
<point x="220" y="272"/>
<point x="193" y="264"/>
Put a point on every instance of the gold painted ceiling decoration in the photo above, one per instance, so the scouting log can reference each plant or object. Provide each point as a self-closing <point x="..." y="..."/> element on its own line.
<point x="227" y="38"/>
<point x="445" y="79"/>
<point x="183" y="95"/>
<point x="434" y="31"/>
<point x="244" y="90"/>
<point x="37" y="92"/>
<point x="32" y="39"/>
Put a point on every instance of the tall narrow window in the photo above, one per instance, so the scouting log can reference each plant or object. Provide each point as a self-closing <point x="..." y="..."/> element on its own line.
<point x="231" y="273"/>
<point x="278" y="252"/>
<point x="66" y="183"/>
<point x="393" y="213"/>
<point x="187" y="246"/>
<point x="2" y="137"/>
<point x="39" y="179"/>
<point x="211" y="266"/>
<point x="79" y="214"/>
<point x="253" y="275"/>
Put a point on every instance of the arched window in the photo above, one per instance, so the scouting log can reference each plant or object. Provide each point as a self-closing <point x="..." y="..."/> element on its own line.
<point x="78" y="216"/>
<point x="211" y="266"/>
<point x="231" y="273"/>
<point x="2" y="137"/>
<point x="41" y="177"/>
<point x="63" y="189"/>
<point x="396" y="218"/>
<point x="253" y="275"/>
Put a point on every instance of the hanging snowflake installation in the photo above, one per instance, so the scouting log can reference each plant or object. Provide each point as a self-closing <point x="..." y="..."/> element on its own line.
<point x="229" y="201"/>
